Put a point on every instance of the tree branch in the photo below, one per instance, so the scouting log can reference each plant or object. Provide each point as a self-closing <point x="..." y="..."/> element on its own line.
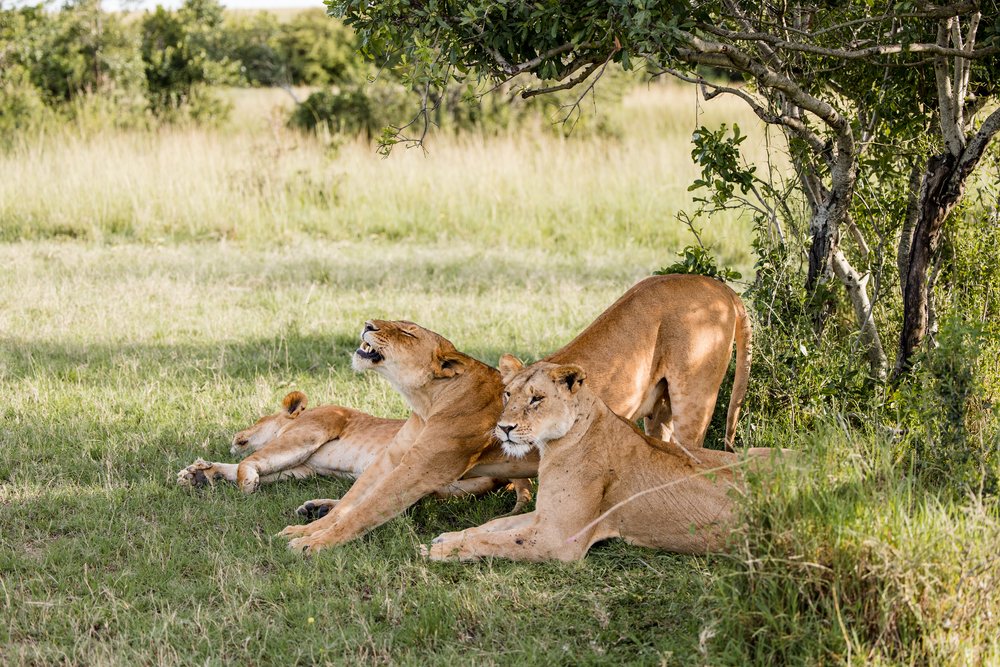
<point x="849" y="54"/>
<point x="563" y="86"/>
<point x="794" y="124"/>
<point x="953" y="140"/>
<point x="527" y="65"/>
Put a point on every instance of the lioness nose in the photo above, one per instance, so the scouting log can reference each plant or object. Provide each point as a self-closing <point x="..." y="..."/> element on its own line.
<point x="369" y="326"/>
<point x="507" y="428"/>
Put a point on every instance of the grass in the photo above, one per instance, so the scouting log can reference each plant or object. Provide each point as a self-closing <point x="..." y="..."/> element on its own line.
<point x="159" y="291"/>
<point x="124" y="363"/>
<point x="259" y="184"/>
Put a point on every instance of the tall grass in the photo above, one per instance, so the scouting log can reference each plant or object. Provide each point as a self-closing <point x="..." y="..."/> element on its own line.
<point x="260" y="183"/>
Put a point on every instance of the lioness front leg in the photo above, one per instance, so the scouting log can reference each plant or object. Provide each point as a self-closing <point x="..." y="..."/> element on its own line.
<point x="284" y="458"/>
<point x="418" y="474"/>
<point x="202" y="473"/>
<point x="510" y="522"/>
<point x="534" y="542"/>
<point x="381" y="467"/>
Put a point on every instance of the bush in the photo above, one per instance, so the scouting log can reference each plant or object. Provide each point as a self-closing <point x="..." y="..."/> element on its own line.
<point x="359" y="109"/>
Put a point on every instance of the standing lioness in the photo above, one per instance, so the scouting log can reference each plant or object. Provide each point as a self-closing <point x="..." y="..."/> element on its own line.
<point x="661" y="351"/>
<point x="592" y="460"/>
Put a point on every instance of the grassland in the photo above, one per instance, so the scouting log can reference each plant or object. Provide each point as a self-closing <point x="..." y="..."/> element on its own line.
<point x="159" y="290"/>
<point x="260" y="184"/>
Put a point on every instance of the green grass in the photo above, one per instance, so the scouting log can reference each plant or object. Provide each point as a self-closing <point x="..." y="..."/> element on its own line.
<point x="159" y="291"/>
<point x="123" y="363"/>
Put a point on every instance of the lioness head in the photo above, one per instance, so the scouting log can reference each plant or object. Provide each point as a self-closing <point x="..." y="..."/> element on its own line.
<point x="540" y="404"/>
<point x="406" y="354"/>
<point x="268" y="427"/>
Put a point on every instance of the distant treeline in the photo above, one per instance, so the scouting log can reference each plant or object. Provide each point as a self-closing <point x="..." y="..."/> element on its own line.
<point x="160" y="63"/>
<point x="80" y="63"/>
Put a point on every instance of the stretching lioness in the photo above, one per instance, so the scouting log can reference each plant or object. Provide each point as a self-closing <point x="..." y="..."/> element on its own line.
<point x="326" y="441"/>
<point x="455" y="401"/>
<point x="660" y="352"/>
<point x="591" y="460"/>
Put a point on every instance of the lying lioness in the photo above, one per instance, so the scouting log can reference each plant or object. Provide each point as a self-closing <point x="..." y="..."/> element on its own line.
<point x="325" y="441"/>
<point x="654" y="494"/>
<point x="659" y="352"/>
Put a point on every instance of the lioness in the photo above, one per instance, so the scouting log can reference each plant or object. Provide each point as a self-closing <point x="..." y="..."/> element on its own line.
<point x="661" y="351"/>
<point x="455" y="401"/>
<point x="592" y="460"/>
<point x="326" y="441"/>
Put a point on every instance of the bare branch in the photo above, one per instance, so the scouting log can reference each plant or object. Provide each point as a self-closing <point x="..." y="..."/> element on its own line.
<point x="857" y="291"/>
<point x="953" y="140"/>
<point x="977" y="145"/>
<point x="575" y="106"/>
<point x="562" y="86"/>
<point x="849" y="54"/>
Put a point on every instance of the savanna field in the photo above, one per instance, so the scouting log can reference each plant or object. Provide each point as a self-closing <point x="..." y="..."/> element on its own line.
<point x="161" y="289"/>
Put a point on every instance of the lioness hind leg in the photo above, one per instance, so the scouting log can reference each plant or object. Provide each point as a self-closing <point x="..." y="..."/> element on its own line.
<point x="203" y="473"/>
<point x="316" y="508"/>
<point x="522" y="489"/>
<point x="660" y="423"/>
<point x="692" y="415"/>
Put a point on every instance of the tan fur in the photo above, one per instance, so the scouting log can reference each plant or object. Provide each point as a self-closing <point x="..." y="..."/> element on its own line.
<point x="661" y="352"/>
<point x="591" y="460"/>
<point x="455" y="401"/>
<point x="326" y="441"/>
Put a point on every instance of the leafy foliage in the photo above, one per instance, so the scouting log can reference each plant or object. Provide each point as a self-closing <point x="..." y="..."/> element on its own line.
<point x="699" y="260"/>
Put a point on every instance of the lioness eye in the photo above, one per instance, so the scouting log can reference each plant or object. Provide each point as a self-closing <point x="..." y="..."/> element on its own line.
<point x="407" y="333"/>
<point x="506" y="397"/>
<point x="535" y="400"/>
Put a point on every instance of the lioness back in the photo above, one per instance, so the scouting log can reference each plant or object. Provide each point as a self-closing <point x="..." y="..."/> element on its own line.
<point x="661" y="352"/>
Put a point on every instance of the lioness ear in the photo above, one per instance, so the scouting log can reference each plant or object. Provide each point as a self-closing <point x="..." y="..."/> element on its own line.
<point x="448" y="364"/>
<point x="571" y="376"/>
<point x="509" y="366"/>
<point x="294" y="403"/>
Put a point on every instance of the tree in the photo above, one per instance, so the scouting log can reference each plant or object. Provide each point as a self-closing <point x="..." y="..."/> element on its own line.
<point x="855" y="89"/>
<point x="181" y="53"/>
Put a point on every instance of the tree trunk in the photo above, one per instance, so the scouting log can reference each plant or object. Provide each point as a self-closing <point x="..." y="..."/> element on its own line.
<point x="938" y="195"/>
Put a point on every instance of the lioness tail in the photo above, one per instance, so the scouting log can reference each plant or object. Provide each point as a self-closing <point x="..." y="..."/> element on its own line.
<point x="744" y="345"/>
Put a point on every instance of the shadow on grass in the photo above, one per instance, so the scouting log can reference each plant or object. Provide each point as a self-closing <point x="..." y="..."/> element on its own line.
<point x="291" y="353"/>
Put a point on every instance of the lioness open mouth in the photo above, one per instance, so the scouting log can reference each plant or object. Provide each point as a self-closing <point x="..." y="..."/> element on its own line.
<point x="368" y="352"/>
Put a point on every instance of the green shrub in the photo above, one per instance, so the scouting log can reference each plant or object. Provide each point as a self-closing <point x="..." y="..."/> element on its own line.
<point x="359" y="109"/>
<point x="181" y="55"/>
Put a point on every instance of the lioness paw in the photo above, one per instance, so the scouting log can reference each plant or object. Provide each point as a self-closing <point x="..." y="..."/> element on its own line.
<point x="295" y="531"/>
<point x="316" y="509"/>
<point x="306" y="546"/>
<point x="444" y="551"/>
<point x="196" y="475"/>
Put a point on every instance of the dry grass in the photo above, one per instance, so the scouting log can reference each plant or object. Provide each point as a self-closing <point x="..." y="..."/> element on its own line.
<point x="258" y="183"/>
